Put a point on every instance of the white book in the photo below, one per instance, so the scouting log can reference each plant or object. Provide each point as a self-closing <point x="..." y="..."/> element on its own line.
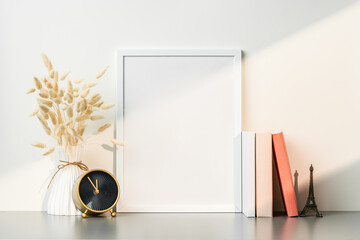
<point x="264" y="183"/>
<point x="248" y="173"/>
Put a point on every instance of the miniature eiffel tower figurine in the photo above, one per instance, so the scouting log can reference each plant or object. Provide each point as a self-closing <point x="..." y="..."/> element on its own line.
<point x="310" y="203"/>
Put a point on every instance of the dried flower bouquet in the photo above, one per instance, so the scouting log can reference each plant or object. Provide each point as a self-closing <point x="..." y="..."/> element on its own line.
<point x="65" y="107"/>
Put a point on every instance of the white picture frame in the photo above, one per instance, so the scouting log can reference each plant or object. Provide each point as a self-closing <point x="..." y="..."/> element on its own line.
<point x="131" y="61"/>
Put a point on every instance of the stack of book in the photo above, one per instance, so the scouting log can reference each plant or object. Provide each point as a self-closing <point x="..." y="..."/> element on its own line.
<point x="257" y="174"/>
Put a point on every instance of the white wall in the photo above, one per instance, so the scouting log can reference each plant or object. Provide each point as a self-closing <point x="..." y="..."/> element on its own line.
<point x="307" y="85"/>
<point x="301" y="75"/>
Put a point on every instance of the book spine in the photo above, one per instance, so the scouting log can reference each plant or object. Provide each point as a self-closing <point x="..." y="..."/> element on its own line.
<point x="248" y="173"/>
<point x="264" y="180"/>
<point x="285" y="177"/>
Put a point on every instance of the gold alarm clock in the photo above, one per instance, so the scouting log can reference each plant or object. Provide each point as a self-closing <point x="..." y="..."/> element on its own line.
<point x="95" y="192"/>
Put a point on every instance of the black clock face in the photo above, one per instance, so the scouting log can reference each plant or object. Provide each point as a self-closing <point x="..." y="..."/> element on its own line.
<point x="98" y="190"/>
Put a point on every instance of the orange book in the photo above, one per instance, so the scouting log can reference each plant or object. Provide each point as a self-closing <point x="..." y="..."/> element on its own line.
<point x="285" y="177"/>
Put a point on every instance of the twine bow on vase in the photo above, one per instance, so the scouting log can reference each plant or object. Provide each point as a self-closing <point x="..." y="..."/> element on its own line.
<point x="80" y="164"/>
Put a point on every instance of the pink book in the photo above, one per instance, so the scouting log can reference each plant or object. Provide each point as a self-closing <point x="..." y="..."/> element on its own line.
<point x="285" y="177"/>
<point x="264" y="172"/>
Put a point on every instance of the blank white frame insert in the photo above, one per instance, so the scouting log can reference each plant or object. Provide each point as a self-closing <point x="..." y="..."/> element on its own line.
<point x="179" y="116"/>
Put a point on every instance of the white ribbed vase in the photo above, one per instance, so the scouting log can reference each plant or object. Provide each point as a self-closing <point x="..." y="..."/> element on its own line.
<point x="60" y="197"/>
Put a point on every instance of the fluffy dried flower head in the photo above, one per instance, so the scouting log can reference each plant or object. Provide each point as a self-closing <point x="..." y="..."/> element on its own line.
<point x="64" y="110"/>
<point x="39" y="145"/>
<point x="103" y="127"/>
<point x="100" y="74"/>
<point x="116" y="142"/>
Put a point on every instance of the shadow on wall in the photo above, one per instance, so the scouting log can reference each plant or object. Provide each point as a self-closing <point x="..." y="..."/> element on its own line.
<point x="338" y="186"/>
<point x="293" y="87"/>
<point x="264" y="23"/>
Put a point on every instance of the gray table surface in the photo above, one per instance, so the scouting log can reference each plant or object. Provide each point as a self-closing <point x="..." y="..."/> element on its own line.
<point x="39" y="225"/>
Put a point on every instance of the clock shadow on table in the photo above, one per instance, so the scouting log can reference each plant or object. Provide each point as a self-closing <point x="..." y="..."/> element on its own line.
<point x="95" y="226"/>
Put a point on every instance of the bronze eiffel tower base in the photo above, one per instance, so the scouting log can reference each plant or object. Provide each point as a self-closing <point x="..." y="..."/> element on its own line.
<point x="310" y="203"/>
<point x="308" y="208"/>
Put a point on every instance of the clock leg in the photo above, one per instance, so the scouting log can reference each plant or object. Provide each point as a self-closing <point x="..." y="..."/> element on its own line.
<point x="113" y="214"/>
<point x="84" y="214"/>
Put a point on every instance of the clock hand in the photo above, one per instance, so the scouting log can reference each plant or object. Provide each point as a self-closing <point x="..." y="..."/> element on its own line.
<point x="97" y="186"/>
<point x="96" y="190"/>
